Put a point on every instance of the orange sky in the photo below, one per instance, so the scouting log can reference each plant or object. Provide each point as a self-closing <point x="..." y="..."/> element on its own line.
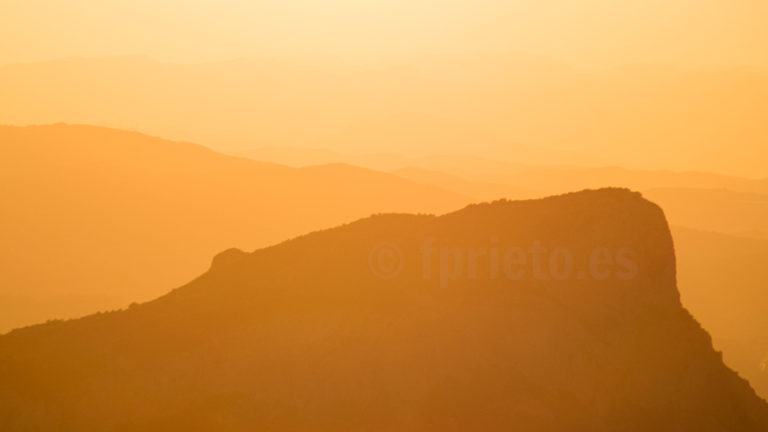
<point x="587" y="34"/>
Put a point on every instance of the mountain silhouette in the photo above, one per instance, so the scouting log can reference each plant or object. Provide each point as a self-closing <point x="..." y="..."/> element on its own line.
<point x="115" y="216"/>
<point x="719" y="238"/>
<point x="310" y="335"/>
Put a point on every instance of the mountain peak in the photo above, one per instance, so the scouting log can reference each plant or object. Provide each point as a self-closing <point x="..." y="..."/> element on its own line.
<point x="553" y="314"/>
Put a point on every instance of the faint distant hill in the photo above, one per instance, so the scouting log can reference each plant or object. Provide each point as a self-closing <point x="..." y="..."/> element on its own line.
<point x="461" y="165"/>
<point x="518" y="107"/>
<point x="714" y="209"/>
<point x="483" y="178"/>
<point x="304" y="336"/>
<point x="94" y="218"/>
<point x="723" y="283"/>
<point x="556" y="179"/>
<point x="293" y="156"/>
<point x="480" y="190"/>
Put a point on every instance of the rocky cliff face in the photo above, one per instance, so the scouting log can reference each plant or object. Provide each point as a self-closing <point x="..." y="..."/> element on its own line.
<point x="559" y="314"/>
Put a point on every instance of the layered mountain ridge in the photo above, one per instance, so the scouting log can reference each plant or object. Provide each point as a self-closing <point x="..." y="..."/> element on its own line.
<point x="314" y="334"/>
<point x="117" y="216"/>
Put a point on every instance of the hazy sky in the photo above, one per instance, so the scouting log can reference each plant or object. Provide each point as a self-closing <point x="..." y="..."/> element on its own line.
<point x="585" y="33"/>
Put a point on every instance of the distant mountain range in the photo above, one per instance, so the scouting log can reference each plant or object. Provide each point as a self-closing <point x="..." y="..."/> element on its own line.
<point x="517" y="107"/>
<point x="306" y="335"/>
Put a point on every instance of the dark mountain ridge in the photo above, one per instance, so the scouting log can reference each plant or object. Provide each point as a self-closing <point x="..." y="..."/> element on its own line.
<point x="310" y="335"/>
